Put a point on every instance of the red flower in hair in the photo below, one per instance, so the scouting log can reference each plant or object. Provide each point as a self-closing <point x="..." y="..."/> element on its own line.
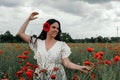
<point x="46" y="26"/>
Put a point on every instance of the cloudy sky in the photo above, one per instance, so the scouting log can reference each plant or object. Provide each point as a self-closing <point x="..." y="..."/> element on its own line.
<point x="79" y="18"/>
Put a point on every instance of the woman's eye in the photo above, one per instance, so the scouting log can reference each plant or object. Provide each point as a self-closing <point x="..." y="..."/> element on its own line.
<point x="55" y="27"/>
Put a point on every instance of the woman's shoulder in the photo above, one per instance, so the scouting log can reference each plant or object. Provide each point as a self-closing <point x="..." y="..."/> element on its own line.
<point x="62" y="42"/>
<point x="40" y="40"/>
<point x="36" y="39"/>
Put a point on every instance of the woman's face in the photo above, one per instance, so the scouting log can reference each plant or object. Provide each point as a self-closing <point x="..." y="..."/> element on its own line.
<point x="54" y="29"/>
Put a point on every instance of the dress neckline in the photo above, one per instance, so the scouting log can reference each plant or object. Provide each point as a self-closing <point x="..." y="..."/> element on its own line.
<point x="50" y="47"/>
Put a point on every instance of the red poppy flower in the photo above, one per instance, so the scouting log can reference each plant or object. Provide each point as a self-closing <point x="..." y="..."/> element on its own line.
<point x="101" y="53"/>
<point x="23" y="57"/>
<point x="108" y="62"/>
<point x="116" y="58"/>
<point x="98" y="56"/>
<point x="115" y="48"/>
<point x="26" y="52"/>
<point x="90" y="49"/>
<point x="1" y="51"/>
<point x="35" y="66"/>
<point x="53" y="76"/>
<point x="29" y="74"/>
<point x="55" y="69"/>
<point x="93" y="76"/>
<point x="75" y="76"/>
<point x="19" y="73"/>
<point x="46" y="26"/>
<point x="24" y="68"/>
<point x="87" y="63"/>
<point x="28" y="64"/>
<point x="22" y="78"/>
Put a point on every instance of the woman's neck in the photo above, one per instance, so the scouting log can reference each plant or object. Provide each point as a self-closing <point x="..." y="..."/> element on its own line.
<point x="50" y="38"/>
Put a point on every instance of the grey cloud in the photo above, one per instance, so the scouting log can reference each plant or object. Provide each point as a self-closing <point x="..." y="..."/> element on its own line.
<point x="10" y="3"/>
<point x="98" y="1"/>
<point x="68" y="6"/>
<point x="75" y="7"/>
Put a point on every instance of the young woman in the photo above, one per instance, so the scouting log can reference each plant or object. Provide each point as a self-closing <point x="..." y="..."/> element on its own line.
<point x="50" y="51"/>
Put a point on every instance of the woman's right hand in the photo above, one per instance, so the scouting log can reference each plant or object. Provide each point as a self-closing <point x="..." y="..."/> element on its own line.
<point x="33" y="16"/>
<point x="85" y="69"/>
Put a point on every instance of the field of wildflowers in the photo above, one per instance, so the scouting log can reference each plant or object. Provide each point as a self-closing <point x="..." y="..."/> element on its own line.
<point x="17" y="63"/>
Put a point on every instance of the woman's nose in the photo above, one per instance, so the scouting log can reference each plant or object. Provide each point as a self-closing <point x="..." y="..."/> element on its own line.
<point x="56" y="29"/>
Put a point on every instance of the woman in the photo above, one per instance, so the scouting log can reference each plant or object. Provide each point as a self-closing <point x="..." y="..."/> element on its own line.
<point x="50" y="51"/>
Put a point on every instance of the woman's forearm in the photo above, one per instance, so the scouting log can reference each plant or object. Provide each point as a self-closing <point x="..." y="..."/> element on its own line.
<point x="67" y="63"/>
<point x="73" y="66"/>
<point x="23" y="27"/>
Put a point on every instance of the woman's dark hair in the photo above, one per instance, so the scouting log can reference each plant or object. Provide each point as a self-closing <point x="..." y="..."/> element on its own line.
<point x="43" y="34"/>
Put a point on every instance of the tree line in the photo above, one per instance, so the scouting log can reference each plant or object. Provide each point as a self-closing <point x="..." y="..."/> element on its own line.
<point x="7" y="37"/>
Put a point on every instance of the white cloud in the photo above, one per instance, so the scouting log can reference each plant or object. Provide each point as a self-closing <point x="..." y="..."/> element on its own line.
<point x="79" y="18"/>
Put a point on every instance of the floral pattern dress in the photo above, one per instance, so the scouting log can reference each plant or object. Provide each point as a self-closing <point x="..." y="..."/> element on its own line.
<point x="50" y="59"/>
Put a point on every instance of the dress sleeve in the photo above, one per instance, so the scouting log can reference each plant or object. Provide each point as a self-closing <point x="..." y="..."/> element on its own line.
<point x="66" y="51"/>
<point x="33" y="44"/>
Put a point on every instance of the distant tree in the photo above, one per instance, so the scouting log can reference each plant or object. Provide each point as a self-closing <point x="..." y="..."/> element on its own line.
<point x="92" y="40"/>
<point x="87" y="40"/>
<point x="7" y="37"/>
<point x="18" y="39"/>
<point x="66" y="37"/>
<point x="115" y="39"/>
<point x="106" y="39"/>
<point x="99" y="39"/>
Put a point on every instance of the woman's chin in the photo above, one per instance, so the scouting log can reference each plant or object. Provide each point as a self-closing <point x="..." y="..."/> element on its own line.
<point x="53" y="36"/>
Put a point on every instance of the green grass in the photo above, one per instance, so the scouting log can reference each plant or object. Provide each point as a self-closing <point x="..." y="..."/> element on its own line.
<point x="9" y="61"/>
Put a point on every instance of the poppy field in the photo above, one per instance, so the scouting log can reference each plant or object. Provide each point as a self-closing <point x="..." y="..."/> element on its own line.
<point x="17" y="63"/>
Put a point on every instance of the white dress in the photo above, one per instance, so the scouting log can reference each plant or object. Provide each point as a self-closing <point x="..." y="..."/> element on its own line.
<point x="49" y="59"/>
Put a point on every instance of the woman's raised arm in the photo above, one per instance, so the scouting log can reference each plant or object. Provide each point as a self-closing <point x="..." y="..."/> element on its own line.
<point x="21" y="32"/>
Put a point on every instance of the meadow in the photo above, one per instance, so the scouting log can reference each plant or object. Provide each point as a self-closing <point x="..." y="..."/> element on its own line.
<point x="103" y="57"/>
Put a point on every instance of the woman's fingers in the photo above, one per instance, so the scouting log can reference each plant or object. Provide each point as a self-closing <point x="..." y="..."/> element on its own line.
<point x="33" y="15"/>
<point x="86" y="69"/>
